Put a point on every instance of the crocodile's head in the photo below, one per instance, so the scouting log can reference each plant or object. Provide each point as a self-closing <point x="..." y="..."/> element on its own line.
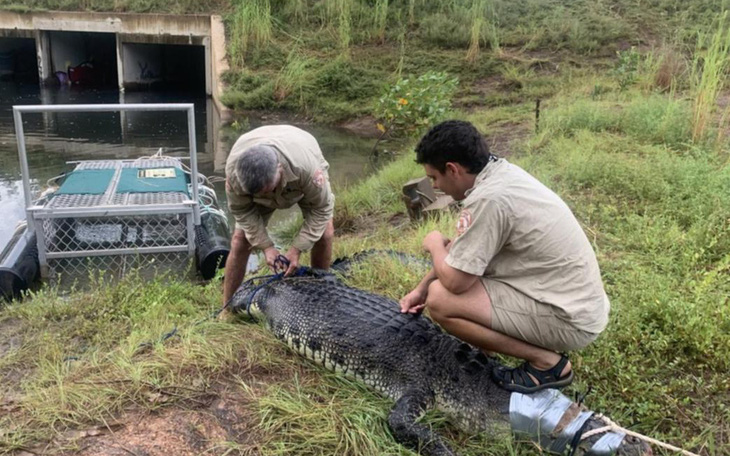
<point x="249" y="298"/>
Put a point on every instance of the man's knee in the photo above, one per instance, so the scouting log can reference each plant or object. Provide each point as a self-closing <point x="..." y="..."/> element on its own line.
<point x="437" y="300"/>
<point x="239" y="243"/>
<point x="328" y="235"/>
<point x="329" y="232"/>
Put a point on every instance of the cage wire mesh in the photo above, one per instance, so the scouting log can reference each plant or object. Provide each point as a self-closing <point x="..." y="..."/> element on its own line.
<point x="75" y="272"/>
<point x="97" y="234"/>
<point x="102" y="245"/>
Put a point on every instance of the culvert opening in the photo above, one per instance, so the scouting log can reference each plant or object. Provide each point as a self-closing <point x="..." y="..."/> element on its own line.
<point x="18" y="61"/>
<point x="86" y="59"/>
<point x="163" y="67"/>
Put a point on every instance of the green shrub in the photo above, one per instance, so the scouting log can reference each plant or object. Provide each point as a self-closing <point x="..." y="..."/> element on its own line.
<point x="411" y="105"/>
<point x="627" y="67"/>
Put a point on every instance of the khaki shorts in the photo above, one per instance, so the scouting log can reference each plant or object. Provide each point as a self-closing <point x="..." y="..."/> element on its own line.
<point x="537" y="323"/>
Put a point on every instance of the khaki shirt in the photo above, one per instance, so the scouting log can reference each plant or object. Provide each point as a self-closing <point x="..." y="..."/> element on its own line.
<point x="515" y="230"/>
<point x="305" y="182"/>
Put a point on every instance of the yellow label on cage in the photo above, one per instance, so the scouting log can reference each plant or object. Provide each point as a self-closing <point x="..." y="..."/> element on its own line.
<point x="156" y="173"/>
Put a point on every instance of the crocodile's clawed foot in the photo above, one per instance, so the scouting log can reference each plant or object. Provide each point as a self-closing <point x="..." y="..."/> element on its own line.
<point x="408" y="432"/>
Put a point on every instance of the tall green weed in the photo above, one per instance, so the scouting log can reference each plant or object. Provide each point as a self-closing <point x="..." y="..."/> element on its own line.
<point x="709" y="71"/>
<point x="294" y="78"/>
<point x="251" y="24"/>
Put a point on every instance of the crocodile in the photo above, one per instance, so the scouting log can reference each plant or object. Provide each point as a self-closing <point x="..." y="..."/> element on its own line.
<point x="412" y="361"/>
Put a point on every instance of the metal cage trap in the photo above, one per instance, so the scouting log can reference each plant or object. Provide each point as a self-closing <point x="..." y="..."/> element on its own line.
<point x="116" y="216"/>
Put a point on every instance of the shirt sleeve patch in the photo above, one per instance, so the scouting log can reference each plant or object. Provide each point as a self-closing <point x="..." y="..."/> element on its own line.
<point x="318" y="179"/>
<point x="464" y="222"/>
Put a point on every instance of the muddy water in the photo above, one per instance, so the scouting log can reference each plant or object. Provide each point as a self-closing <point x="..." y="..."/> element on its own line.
<point x="57" y="138"/>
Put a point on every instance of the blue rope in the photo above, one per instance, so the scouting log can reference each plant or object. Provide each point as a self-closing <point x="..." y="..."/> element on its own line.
<point x="162" y="339"/>
<point x="249" y="298"/>
<point x="270" y="278"/>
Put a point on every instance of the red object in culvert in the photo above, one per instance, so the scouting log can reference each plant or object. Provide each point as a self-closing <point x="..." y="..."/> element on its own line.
<point x="83" y="74"/>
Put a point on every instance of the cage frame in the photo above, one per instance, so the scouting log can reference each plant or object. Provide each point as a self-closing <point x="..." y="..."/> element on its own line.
<point x="36" y="213"/>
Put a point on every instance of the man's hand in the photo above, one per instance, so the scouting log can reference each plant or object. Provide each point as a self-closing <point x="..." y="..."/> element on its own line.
<point x="271" y="253"/>
<point x="434" y="239"/>
<point x="413" y="302"/>
<point x="293" y="256"/>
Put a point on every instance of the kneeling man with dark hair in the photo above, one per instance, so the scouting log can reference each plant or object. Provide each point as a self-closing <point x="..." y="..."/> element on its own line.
<point x="520" y="277"/>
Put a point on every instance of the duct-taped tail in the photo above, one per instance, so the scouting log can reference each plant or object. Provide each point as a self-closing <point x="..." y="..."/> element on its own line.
<point x="558" y="425"/>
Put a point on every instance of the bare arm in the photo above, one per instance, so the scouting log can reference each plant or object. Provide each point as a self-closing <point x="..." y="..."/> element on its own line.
<point x="452" y="279"/>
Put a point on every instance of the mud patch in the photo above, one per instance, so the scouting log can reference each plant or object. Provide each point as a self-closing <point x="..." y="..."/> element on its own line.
<point x="225" y="424"/>
<point x="507" y="137"/>
<point x="364" y="126"/>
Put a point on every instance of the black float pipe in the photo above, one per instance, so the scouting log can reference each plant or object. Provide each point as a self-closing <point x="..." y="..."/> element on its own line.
<point x="212" y="243"/>
<point x="19" y="266"/>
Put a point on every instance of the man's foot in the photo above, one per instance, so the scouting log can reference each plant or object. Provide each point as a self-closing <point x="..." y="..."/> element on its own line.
<point x="226" y="316"/>
<point x="527" y="379"/>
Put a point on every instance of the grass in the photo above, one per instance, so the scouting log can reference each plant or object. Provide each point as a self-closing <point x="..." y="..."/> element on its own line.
<point x="380" y="19"/>
<point x="132" y="6"/>
<point x="344" y="26"/>
<point x="250" y="25"/>
<point x="477" y="18"/>
<point x="708" y="75"/>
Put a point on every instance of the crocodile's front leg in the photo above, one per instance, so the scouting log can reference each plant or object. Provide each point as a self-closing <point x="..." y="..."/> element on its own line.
<point x="402" y="420"/>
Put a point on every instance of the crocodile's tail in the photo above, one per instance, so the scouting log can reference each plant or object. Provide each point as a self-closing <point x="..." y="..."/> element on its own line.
<point x="610" y="442"/>
<point x="559" y="424"/>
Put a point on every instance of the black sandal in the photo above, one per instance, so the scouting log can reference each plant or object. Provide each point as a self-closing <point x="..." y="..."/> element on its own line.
<point x="517" y="379"/>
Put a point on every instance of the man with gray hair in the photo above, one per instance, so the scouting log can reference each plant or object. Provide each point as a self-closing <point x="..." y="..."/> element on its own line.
<point x="269" y="168"/>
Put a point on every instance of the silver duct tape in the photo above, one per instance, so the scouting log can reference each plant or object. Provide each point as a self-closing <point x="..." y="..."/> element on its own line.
<point x="607" y="444"/>
<point x="537" y="415"/>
